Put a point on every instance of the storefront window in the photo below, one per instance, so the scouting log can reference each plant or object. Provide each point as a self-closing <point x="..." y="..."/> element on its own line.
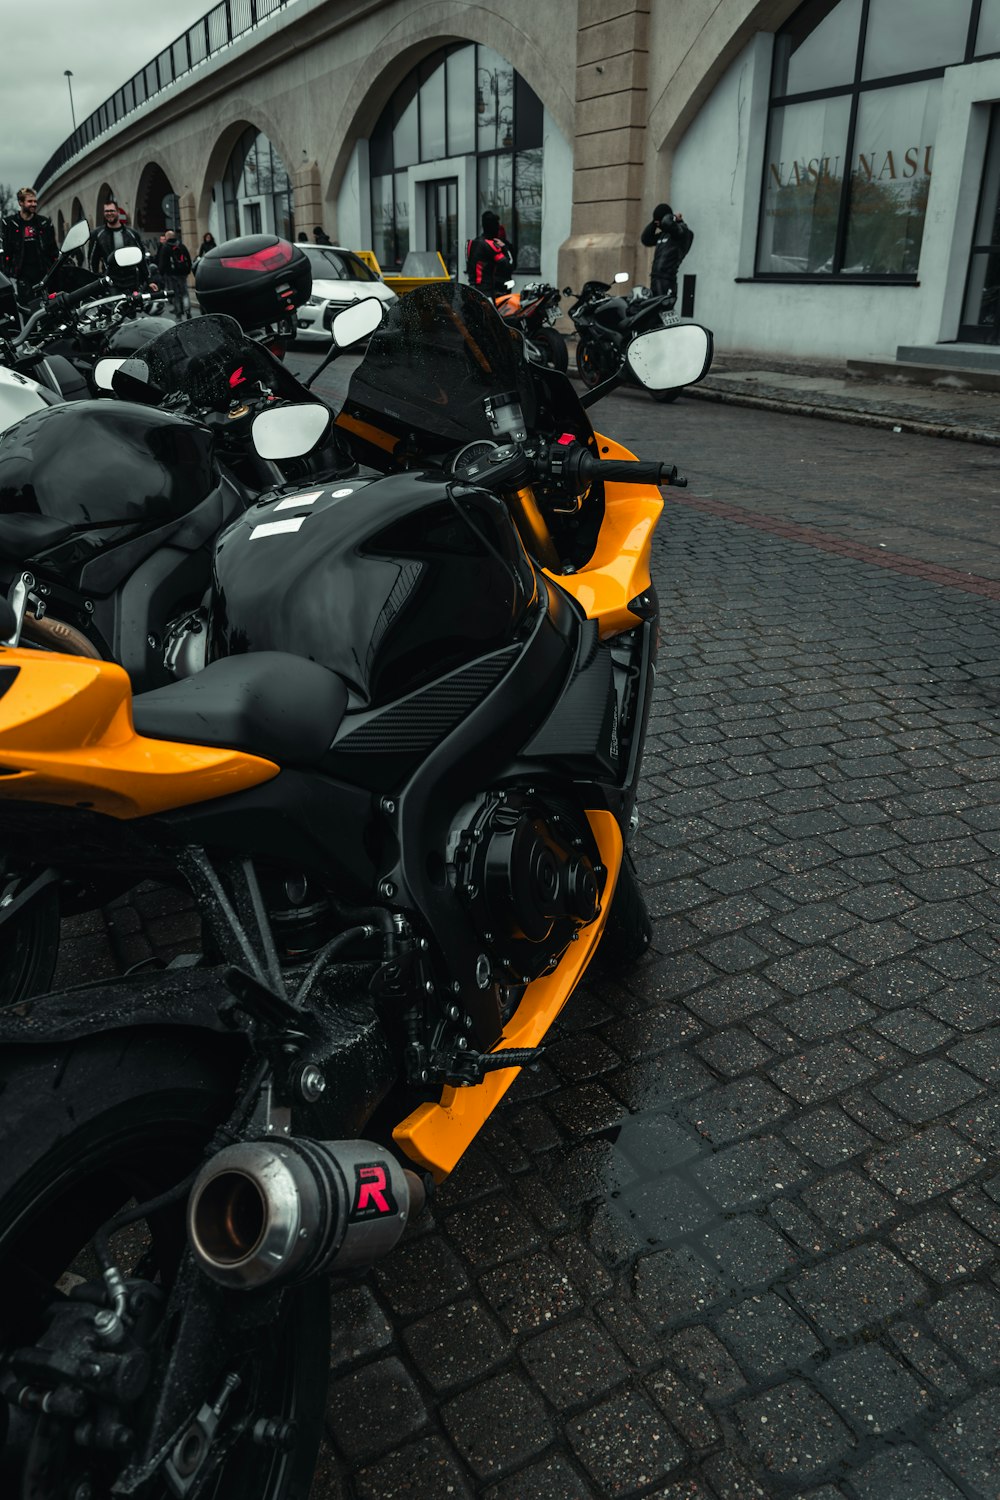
<point x="891" y="179"/>
<point x="818" y="47"/>
<point x="256" y="189"/>
<point x="988" y="39"/>
<point x="432" y="135"/>
<point x="463" y="100"/>
<point x="805" y="170"/>
<point x="918" y="34"/>
<point x="527" y="228"/>
<point x="847" y="174"/>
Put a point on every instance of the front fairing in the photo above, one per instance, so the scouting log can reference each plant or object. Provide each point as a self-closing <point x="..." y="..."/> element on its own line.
<point x="440" y="353"/>
<point x="212" y="363"/>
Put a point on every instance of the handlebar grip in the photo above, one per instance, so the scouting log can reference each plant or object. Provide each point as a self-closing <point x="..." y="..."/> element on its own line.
<point x="65" y="300"/>
<point x="630" y="471"/>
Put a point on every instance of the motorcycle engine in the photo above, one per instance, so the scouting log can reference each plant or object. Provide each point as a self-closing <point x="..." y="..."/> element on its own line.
<point x="531" y="874"/>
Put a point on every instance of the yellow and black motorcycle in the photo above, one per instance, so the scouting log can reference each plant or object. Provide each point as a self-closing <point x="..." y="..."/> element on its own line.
<point x="400" y="792"/>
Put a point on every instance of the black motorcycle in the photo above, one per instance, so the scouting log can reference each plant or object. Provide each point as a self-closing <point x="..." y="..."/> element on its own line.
<point x="77" y="318"/>
<point x="605" y="325"/>
<point x="534" y="311"/>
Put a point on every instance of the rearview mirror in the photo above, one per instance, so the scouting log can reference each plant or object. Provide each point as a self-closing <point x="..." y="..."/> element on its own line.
<point x="77" y="236"/>
<point x="669" y="357"/>
<point x="356" y="322"/>
<point x="105" y="371"/>
<point x="290" y="431"/>
<point x="128" y="255"/>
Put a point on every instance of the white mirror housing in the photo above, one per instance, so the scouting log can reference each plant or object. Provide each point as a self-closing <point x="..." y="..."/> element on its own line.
<point x="78" y="235"/>
<point x="104" y="372"/>
<point x="666" y="358"/>
<point x="290" y="431"/>
<point x="356" y="322"/>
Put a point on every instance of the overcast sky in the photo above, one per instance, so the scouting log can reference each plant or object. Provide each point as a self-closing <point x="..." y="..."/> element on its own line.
<point x="102" y="44"/>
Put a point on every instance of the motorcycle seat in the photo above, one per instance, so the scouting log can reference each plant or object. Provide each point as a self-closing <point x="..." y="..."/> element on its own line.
<point x="266" y="703"/>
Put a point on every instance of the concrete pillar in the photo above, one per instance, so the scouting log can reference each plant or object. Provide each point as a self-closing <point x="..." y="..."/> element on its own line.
<point x="190" y="233"/>
<point x="307" y="200"/>
<point x="609" y="145"/>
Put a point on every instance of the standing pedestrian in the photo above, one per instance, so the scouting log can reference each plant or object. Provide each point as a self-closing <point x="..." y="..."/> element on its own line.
<point x="489" y="258"/>
<point x="174" y="261"/>
<point x="29" y="243"/>
<point x="207" y="244"/>
<point x="112" y="235"/>
<point x="672" y="239"/>
<point x="320" y="236"/>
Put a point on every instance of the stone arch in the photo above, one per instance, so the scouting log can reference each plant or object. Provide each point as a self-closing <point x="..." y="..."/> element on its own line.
<point x="104" y="195"/>
<point x="416" y="36"/>
<point x="240" y="114"/>
<point x="76" y="213"/>
<point x="153" y="186"/>
<point x="730" y="28"/>
<point x="61" y="226"/>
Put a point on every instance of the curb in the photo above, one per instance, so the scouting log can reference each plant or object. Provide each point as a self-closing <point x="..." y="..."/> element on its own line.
<point x="848" y="414"/>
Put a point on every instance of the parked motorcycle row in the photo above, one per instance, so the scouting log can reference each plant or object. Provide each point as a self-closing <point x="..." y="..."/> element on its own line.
<point x="373" y="687"/>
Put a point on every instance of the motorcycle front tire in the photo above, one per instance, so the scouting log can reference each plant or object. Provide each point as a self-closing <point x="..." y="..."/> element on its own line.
<point x="85" y="1127"/>
<point x="554" y="348"/>
<point x="628" y="931"/>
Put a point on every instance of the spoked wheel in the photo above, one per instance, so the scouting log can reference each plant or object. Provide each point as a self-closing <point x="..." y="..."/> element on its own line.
<point x="29" y="940"/>
<point x="591" y="364"/>
<point x="553" y="347"/>
<point x="85" y="1128"/>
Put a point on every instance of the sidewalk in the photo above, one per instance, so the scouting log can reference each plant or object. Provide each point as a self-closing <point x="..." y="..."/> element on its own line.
<point x="950" y="407"/>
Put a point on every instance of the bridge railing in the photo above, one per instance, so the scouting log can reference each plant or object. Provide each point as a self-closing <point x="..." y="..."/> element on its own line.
<point x="216" y="30"/>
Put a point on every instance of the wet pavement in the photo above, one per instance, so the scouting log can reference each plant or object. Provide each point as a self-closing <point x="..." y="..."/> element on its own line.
<point x="738" y="1234"/>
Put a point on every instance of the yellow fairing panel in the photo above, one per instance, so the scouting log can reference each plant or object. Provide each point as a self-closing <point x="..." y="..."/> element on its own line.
<point x="436" y="1135"/>
<point x="67" y="737"/>
<point x="619" y="568"/>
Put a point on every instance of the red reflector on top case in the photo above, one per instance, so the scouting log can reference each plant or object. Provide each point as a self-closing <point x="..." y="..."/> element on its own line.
<point x="261" y="260"/>
<point x="567" y="437"/>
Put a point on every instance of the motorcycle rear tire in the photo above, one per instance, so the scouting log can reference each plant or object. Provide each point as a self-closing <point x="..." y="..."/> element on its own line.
<point x="29" y="948"/>
<point x="85" y="1126"/>
<point x="629" y="931"/>
<point x="554" y="345"/>
<point x="589" y="364"/>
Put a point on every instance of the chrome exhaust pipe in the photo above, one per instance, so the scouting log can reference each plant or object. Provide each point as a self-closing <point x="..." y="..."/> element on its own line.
<point x="287" y="1209"/>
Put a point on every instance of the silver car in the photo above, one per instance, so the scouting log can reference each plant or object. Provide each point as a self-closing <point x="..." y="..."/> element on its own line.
<point x="339" y="278"/>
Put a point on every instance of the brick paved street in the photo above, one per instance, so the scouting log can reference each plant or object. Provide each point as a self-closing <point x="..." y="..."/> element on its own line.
<point x="738" y="1234"/>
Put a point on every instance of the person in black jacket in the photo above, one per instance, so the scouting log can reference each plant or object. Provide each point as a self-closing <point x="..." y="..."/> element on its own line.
<point x="489" y="258"/>
<point x="672" y="240"/>
<point x="29" y="243"/>
<point x="111" y="236"/>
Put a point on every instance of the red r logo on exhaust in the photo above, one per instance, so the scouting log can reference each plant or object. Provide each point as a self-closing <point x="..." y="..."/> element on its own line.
<point x="372" y="1194"/>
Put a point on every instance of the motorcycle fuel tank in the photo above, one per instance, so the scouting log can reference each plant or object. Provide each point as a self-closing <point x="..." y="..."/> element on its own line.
<point x="105" y="463"/>
<point x="389" y="582"/>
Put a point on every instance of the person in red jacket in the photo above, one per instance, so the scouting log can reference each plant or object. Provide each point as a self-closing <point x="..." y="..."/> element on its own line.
<point x="489" y="258"/>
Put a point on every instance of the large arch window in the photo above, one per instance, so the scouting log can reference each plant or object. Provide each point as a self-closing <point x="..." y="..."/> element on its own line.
<point x="256" y="189"/>
<point x="463" y="100"/>
<point x="855" y="92"/>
